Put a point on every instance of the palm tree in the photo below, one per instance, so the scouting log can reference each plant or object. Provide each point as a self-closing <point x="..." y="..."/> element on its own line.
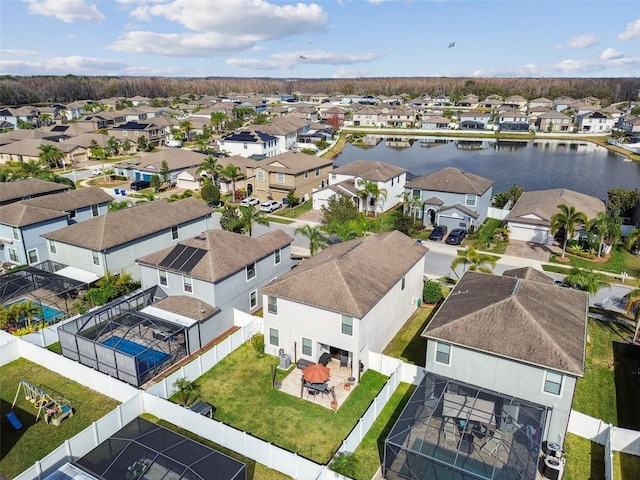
<point x="115" y="205"/>
<point x="114" y="146"/>
<point x="605" y="227"/>
<point x="470" y="259"/>
<point x="218" y="119"/>
<point x="633" y="305"/>
<point x="50" y="155"/>
<point x="184" y="388"/>
<point x="96" y="151"/>
<point x="31" y="168"/>
<point x="252" y="215"/>
<point x="632" y="238"/>
<point x="127" y="145"/>
<point x="27" y="311"/>
<point x="45" y="118"/>
<point x="210" y="167"/>
<point x="231" y="172"/>
<point x="186" y="126"/>
<point x="405" y="197"/>
<point x="317" y="239"/>
<point x="567" y="219"/>
<point x="586" y="280"/>
<point x="372" y="193"/>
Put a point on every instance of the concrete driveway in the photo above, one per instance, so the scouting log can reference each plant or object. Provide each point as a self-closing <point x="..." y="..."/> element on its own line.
<point x="533" y="251"/>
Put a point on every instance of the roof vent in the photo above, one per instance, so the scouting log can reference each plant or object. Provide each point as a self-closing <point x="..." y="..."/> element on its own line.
<point x="200" y="237"/>
<point x="515" y="287"/>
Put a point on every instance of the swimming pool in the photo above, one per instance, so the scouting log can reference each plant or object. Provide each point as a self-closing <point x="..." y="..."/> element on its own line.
<point x="49" y="314"/>
<point x="147" y="358"/>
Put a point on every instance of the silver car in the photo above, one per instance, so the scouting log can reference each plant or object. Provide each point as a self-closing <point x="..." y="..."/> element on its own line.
<point x="270" y="206"/>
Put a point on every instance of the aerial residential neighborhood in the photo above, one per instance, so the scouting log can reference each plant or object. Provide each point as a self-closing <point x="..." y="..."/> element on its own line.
<point x="271" y="240"/>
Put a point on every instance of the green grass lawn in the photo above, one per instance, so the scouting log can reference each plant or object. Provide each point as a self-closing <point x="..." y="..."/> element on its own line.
<point x="585" y="459"/>
<point x="240" y="388"/>
<point x="620" y="261"/>
<point x="483" y="238"/>
<point x="21" y="448"/>
<point x="408" y="345"/>
<point x="295" y="212"/>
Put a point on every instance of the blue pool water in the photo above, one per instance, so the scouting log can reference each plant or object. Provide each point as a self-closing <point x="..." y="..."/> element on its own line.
<point x="146" y="358"/>
<point x="49" y="314"/>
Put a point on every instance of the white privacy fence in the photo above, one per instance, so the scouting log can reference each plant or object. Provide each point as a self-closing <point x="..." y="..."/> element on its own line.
<point x="498" y="213"/>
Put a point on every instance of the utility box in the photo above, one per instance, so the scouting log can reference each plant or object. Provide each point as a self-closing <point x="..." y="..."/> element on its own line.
<point x="285" y="361"/>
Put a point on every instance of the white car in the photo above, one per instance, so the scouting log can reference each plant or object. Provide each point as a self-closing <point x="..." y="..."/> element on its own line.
<point x="97" y="171"/>
<point x="270" y="206"/>
<point x="249" y="202"/>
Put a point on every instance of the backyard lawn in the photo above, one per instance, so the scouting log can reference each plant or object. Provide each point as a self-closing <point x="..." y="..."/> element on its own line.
<point x="21" y="448"/>
<point x="240" y="388"/>
<point x="621" y="260"/>
<point x="408" y="344"/>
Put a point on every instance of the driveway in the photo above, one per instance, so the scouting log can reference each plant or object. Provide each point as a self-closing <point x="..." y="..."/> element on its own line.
<point x="534" y="251"/>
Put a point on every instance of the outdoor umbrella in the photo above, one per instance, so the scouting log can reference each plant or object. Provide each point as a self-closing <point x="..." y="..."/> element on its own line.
<point x="316" y="373"/>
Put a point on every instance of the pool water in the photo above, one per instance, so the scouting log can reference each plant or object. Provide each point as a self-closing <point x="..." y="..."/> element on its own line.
<point x="49" y="314"/>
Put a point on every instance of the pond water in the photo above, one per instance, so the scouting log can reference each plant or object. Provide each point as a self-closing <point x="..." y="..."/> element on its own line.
<point x="531" y="164"/>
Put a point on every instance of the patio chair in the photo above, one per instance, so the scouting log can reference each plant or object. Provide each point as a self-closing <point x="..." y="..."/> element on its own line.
<point x="450" y="431"/>
<point x="493" y="443"/>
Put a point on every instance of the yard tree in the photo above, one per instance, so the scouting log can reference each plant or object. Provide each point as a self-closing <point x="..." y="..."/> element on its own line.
<point x="186" y="126"/>
<point x="252" y="215"/>
<point x="622" y="201"/>
<point x="586" y="279"/>
<point x="211" y="167"/>
<point x="371" y="193"/>
<point x="184" y="388"/>
<point x="31" y="168"/>
<point x="231" y="173"/>
<point x="606" y="228"/>
<point x="633" y="238"/>
<point x="165" y="173"/>
<point x="339" y="209"/>
<point x="335" y="122"/>
<point x="50" y="155"/>
<point x="231" y="219"/>
<point x="218" y="119"/>
<point x="292" y="199"/>
<point x="127" y="145"/>
<point x="143" y="144"/>
<point x="317" y="239"/>
<point x="210" y="193"/>
<point x="114" y="146"/>
<point x="567" y="219"/>
<point x="633" y="308"/>
<point x="472" y="260"/>
<point x="96" y="151"/>
<point x="155" y="182"/>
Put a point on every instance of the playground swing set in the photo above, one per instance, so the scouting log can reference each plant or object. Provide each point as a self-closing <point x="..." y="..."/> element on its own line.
<point x="54" y="408"/>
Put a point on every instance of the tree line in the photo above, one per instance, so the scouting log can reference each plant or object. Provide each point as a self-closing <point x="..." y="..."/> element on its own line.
<point x="29" y="90"/>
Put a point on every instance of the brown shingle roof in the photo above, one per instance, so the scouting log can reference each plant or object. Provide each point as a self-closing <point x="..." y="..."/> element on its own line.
<point x="71" y="199"/>
<point x="14" y="191"/>
<point x="293" y="163"/>
<point x="226" y="252"/>
<point x="524" y="320"/>
<point x="539" y="207"/>
<point x="19" y="215"/>
<point x="350" y="277"/>
<point x="452" y="180"/>
<point x="188" y="306"/>
<point x="529" y="273"/>
<point x="370" y="170"/>
<point x="123" y="226"/>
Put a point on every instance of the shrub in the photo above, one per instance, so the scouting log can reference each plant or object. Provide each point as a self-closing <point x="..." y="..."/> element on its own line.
<point x="257" y="342"/>
<point x="431" y="292"/>
<point x="345" y="463"/>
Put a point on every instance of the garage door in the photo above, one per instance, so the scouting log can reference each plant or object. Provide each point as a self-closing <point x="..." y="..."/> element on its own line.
<point x="527" y="234"/>
<point x="451" y="222"/>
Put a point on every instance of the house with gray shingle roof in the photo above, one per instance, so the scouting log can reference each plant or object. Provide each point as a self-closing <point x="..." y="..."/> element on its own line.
<point x="224" y="270"/>
<point x="249" y="143"/>
<point x="114" y="241"/>
<point x="80" y="204"/>
<point x="348" y="300"/>
<point x="522" y="338"/>
<point x="28" y="188"/>
<point x="345" y="180"/>
<point x="143" y="168"/>
<point x="530" y="218"/>
<point x="452" y="197"/>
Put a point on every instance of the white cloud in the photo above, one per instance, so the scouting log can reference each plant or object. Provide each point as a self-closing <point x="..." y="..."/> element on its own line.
<point x="632" y="31"/>
<point x="63" y="65"/>
<point x="289" y="60"/>
<point x="610" y="54"/>
<point x="583" y="41"/>
<point x="351" y="73"/>
<point x="68" y="11"/>
<point x="182" y="45"/>
<point x="17" y="53"/>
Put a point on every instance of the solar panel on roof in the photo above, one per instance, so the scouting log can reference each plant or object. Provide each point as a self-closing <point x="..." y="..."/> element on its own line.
<point x="183" y="258"/>
<point x="168" y="260"/>
<point x="59" y="128"/>
<point x="193" y="260"/>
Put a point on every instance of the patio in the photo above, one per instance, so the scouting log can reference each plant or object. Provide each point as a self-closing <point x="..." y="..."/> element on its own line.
<point x="338" y="377"/>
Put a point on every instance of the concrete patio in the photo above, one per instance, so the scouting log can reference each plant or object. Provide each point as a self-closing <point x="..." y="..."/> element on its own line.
<point x="339" y="375"/>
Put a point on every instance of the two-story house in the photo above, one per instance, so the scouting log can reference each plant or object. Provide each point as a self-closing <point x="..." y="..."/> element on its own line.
<point x="375" y="282"/>
<point x="28" y="188"/>
<point x="134" y="130"/>
<point x="553" y="121"/>
<point x="474" y="120"/>
<point x="513" y="121"/>
<point x="223" y="269"/>
<point x="367" y="117"/>
<point x="348" y="180"/>
<point x="248" y="143"/>
<point x="452" y="197"/>
<point x="594" y="122"/>
<point x="292" y="171"/>
<point x="80" y="205"/>
<point x="114" y="241"/>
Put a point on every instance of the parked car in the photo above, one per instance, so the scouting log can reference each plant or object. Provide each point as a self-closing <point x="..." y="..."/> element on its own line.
<point x="270" y="206"/>
<point x="438" y="233"/>
<point x="456" y="236"/>
<point x="249" y="202"/>
<point x="140" y="184"/>
<point x="97" y="171"/>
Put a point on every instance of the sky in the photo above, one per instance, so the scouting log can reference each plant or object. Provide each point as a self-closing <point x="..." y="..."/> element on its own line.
<point x="321" y="38"/>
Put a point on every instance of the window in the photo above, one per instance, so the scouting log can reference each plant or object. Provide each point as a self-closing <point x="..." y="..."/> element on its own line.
<point x="306" y="174"/>
<point x="443" y="353"/>
<point x="553" y="383"/>
<point x="174" y="232"/>
<point x="73" y="214"/>
<point x="333" y="176"/>
<point x="317" y="172"/>
<point x="32" y="255"/>
<point x="96" y="257"/>
<point x="187" y="284"/>
<point x="251" y="271"/>
<point x="260" y="175"/>
<point x="52" y="246"/>
<point x="471" y="200"/>
<point x="16" y="233"/>
<point x="347" y="325"/>
<point x="306" y="347"/>
<point x="272" y="305"/>
<point x="416" y="193"/>
<point x="245" y="145"/>
<point x="404" y="281"/>
<point x="280" y="177"/>
<point x="274" y="337"/>
<point x="13" y="255"/>
<point x="162" y="278"/>
<point x="276" y="257"/>
<point x="94" y="211"/>
<point x="253" y="299"/>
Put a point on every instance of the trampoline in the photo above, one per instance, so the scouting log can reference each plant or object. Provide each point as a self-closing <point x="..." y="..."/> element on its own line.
<point x="146" y="358"/>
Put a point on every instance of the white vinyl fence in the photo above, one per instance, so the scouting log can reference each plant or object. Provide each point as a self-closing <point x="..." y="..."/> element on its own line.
<point x="498" y="213"/>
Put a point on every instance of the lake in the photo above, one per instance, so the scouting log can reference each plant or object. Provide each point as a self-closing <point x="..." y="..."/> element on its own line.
<point x="532" y="164"/>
